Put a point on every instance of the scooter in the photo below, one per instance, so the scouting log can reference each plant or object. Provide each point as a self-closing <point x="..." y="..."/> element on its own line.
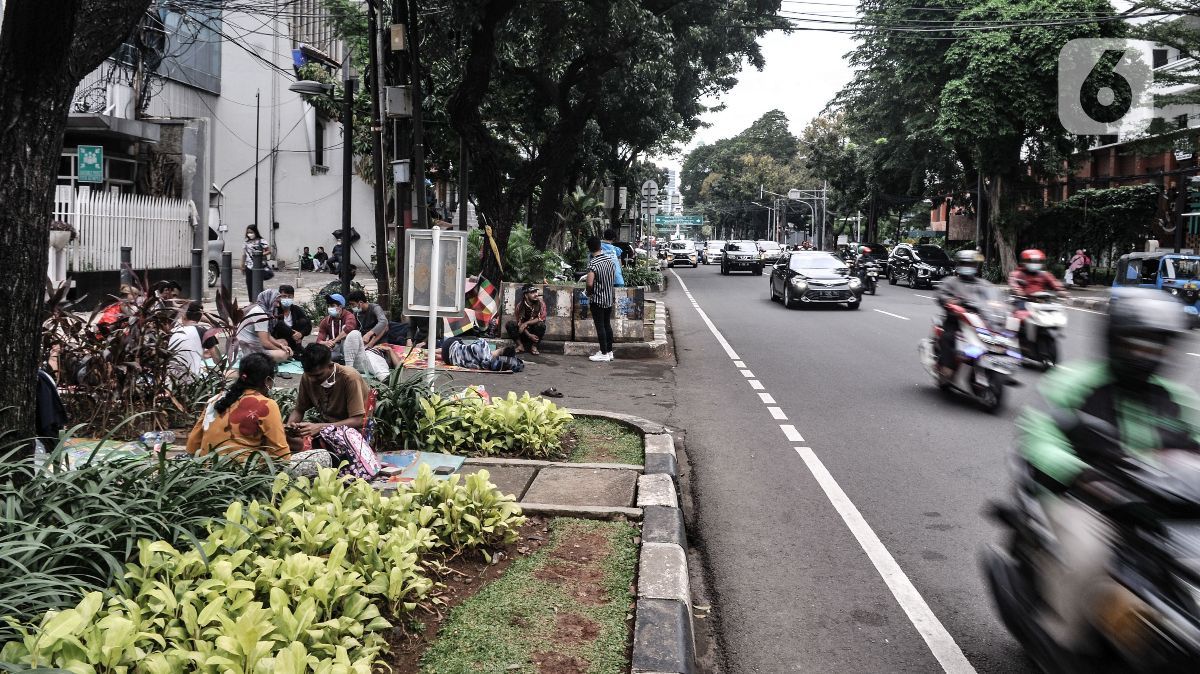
<point x="986" y="356"/>
<point x="868" y="273"/>
<point x="1147" y="616"/>
<point x="1037" y="326"/>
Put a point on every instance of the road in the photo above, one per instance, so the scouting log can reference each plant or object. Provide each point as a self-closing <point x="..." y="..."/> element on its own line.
<point x="838" y="494"/>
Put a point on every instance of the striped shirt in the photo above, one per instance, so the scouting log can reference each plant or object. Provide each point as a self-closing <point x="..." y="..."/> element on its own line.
<point x="602" y="294"/>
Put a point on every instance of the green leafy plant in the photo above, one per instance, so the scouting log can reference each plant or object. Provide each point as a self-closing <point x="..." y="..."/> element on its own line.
<point x="527" y="426"/>
<point x="398" y="408"/>
<point x="524" y="261"/>
<point x="643" y="273"/>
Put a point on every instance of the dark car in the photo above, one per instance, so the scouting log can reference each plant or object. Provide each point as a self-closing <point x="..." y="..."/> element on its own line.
<point x="772" y="252"/>
<point x="919" y="265"/>
<point x="815" y="277"/>
<point x="742" y="256"/>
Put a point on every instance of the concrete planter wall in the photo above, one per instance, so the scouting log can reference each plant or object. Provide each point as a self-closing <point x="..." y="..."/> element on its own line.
<point x="559" y="325"/>
<point x="628" y="318"/>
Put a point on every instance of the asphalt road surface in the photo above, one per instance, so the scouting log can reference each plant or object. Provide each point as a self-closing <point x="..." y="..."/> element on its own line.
<point x="838" y="493"/>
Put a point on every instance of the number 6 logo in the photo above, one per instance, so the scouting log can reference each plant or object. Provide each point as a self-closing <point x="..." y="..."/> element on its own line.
<point x="1104" y="85"/>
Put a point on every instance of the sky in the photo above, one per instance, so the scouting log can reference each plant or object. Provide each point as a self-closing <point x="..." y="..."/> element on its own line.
<point x="803" y="71"/>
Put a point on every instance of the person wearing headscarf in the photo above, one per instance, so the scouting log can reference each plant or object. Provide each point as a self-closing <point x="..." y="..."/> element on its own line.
<point x="289" y="322"/>
<point x="254" y="331"/>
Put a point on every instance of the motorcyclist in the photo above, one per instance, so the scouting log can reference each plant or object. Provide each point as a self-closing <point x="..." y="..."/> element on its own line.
<point x="964" y="288"/>
<point x="1149" y="413"/>
<point x="1031" y="277"/>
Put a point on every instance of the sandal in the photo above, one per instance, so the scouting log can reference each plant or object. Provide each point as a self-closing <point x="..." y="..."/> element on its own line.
<point x="552" y="393"/>
<point x="534" y="352"/>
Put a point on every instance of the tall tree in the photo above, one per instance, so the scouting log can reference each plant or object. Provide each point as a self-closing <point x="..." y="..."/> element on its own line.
<point x="46" y="48"/>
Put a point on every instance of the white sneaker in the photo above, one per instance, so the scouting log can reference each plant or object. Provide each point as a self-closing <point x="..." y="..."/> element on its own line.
<point x="608" y="356"/>
<point x="598" y="357"/>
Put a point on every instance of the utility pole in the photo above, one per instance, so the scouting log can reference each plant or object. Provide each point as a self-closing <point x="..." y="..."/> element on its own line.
<point x="401" y="138"/>
<point x="348" y="83"/>
<point x="420" y="205"/>
<point x="373" y="81"/>
<point x="257" y="119"/>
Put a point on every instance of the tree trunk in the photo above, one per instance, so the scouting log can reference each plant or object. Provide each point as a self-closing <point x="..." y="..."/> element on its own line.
<point x="45" y="50"/>
<point x="1005" y="254"/>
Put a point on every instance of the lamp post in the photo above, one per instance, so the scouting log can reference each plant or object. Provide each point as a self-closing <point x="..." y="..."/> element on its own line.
<point x="313" y="88"/>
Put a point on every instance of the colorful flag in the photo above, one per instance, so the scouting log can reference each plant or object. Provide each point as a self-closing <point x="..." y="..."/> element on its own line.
<point x="459" y="325"/>
<point x="482" y="299"/>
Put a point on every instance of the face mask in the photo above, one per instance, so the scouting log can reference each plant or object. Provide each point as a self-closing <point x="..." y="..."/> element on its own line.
<point x="334" y="311"/>
<point x="328" y="383"/>
<point x="1033" y="267"/>
<point x="967" y="272"/>
<point x="249" y="237"/>
<point x="285" y="302"/>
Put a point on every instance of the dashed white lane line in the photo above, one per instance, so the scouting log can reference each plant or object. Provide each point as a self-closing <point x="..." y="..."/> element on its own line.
<point x="943" y="646"/>
<point x="747" y="374"/>
<point x="888" y="313"/>
<point x="940" y="643"/>
<point x="928" y="297"/>
<point x="777" y="414"/>
<point x="1086" y="311"/>
<point x="792" y="434"/>
<point x="1194" y="354"/>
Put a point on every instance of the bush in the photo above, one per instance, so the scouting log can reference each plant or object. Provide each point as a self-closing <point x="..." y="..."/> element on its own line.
<point x="67" y="532"/>
<point x="302" y="581"/>
<point x="643" y="273"/>
<point x="523" y="261"/>
<point x="525" y="427"/>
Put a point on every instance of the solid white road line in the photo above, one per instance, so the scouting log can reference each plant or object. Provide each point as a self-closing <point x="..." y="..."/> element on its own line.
<point x="777" y="414"/>
<point x="756" y="385"/>
<point x="928" y="297"/>
<point x="766" y="398"/>
<point x="792" y="434"/>
<point x="903" y="318"/>
<point x="943" y="646"/>
<point x="707" y="321"/>
<point x="747" y="374"/>
<point x="1194" y="354"/>
<point x="1086" y="311"/>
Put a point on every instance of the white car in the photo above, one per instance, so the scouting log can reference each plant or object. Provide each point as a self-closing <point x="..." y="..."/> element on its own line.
<point x="712" y="252"/>
<point x="682" y="252"/>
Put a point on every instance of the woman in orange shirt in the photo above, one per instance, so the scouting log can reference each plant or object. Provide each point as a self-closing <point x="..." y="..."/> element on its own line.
<point x="244" y="419"/>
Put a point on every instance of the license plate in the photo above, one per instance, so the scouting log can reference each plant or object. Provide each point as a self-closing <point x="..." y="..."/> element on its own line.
<point x="828" y="293"/>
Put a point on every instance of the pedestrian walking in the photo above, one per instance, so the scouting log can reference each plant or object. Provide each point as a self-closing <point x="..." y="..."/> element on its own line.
<point x="601" y="297"/>
<point x="530" y="327"/>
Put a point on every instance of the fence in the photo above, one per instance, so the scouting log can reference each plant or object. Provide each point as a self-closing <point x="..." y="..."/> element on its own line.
<point x="158" y="229"/>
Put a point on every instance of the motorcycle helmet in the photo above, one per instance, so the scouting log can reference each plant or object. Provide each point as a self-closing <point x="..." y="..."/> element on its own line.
<point x="1033" y="260"/>
<point x="967" y="263"/>
<point x="864" y="250"/>
<point x="1141" y="325"/>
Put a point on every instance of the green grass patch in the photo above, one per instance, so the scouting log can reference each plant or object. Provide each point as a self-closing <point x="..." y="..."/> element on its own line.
<point x="502" y="627"/>
<point x="598" y="440"/>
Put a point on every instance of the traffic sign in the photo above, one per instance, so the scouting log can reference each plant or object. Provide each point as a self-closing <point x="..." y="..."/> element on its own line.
<point x="649" y="189"/>
<point x="688" y="220"/>
<point x="90" y="160"/>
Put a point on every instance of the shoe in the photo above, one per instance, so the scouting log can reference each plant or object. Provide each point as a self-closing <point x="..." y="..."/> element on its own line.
<point x="598" y="357"/>
<point x="608" y="356"/>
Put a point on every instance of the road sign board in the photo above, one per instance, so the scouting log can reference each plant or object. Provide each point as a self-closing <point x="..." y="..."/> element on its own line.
<point x="694" y="220"/>
<point x="91" y="163"/>
<point x="650" y="189"/>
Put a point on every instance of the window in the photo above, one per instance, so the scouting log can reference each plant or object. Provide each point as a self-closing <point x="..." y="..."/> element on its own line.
<point x="319" y="141"/>
<point x="1160" y="58"/>
<point x="1181" y="269"/>
<point x="1133" y="271"/>
<point x="1181" y="121"/>
<point x="193" y="47"/>
<point x="1149" y="272"/>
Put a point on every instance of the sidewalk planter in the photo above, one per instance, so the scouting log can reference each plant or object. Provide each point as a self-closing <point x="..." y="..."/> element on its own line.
<point x="559" y="325"/>
<point x="628" y="318"/>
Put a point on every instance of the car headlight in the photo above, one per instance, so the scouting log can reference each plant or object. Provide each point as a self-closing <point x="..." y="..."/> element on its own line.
<point x="855" y="282"/>
<point x="1175" y="291"/>
<point x="800" y="284"/>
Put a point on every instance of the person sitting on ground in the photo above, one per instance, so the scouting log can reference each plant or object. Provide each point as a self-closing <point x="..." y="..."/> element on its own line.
<point x="373" y="326"/>
<point x="530" y="327"/>
<point x="306" y="260"/>
<point x="289" y="321"/>
<point x="338" y="394"/>
<point x="320" y="259"/>
<point x="187" y="344"/>
<point x="335" y="259"/>
<point x="479" y="355"/>
<point x="168" y="293"/>
<point x="243" y="419"/>
<point x="336" y="326"/>
<point x="254" y="331"/>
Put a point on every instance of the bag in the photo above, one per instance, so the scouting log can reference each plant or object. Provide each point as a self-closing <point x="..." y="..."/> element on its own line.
<point x="348" y="446"/>
<point x="268" y="274"/>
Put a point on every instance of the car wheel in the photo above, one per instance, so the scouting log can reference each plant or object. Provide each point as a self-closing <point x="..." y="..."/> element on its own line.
<point x="912" y="279"/>
<point x="892" y="277"/>
<point x="695" y="264"/>
<point x="758" y="271"/>
<point x="787" y="297"/>
<point x="854" y="305"/>
<point x="214" y="274"/>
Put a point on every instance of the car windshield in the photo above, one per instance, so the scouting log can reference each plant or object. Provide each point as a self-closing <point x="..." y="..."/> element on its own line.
<point x="715" y="245"/>
<point x="681" y="245"/>
<point x="1182" y="269"/>
<point x="769" y="246"/>
<point x="815" y="261"/>
<point x="742" y="247"/>
<point x="931" y="253"/>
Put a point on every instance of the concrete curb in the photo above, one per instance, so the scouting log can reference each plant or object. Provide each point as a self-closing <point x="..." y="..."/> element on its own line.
<point x="535" y="463"/>
<point x="582" y="512"/>
<point x="1091" y="303"/>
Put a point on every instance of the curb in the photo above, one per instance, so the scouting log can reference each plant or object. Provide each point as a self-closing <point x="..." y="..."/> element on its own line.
<point x="654" y="348"/>
<point x="1094" y="304"/>
<point x="663" y="635"/>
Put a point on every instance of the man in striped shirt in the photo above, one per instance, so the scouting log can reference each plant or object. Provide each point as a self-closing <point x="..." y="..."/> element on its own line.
<point x="600" y="280"/>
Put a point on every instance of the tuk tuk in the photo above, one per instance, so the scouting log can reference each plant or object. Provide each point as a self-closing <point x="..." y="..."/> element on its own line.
<point x="1173" y="273"/>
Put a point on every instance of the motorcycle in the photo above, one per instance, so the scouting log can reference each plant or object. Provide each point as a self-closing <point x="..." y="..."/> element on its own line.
<point x="1147" y="616"/>
<point x="868" y="273"/>
<point x="1037" y="325"/>
<point x="987" y="354"/>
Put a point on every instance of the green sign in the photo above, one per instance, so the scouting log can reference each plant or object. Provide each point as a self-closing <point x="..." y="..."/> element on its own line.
<point x="91" y="163"/>
<point x="672" y="220"/>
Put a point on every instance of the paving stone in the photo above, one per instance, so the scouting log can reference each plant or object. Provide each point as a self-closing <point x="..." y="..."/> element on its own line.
<point x="662" y="572"/>
<point x="659" y="443"/>
<point x="562" y="485"/>
<point x="656" y="489"/>
<point x="661" y="524"/>
<point x="510" y="479"/>
<point x="662" y="463"/>
<point x="662" y="637"/>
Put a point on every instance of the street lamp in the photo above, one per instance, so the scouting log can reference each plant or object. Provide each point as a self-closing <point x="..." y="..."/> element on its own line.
<point x="314" y="88"/>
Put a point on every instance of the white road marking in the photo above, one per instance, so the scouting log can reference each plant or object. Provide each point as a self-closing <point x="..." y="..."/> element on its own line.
<point x="943" y="646"/>
<point x="707" y="321"/>
<point x="766" y="398"/>
<point x="747" y="374"/>
<point x="738" y="363"/>
<point x="1194" y="354"/>
<point x="1086" y="311"/>
<point x="928" y="297"/>
<point x="756" y="385"/>
<point x="903" y="318"/>
<point x="792" y="434"/>
<point x="777" y="413"/>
